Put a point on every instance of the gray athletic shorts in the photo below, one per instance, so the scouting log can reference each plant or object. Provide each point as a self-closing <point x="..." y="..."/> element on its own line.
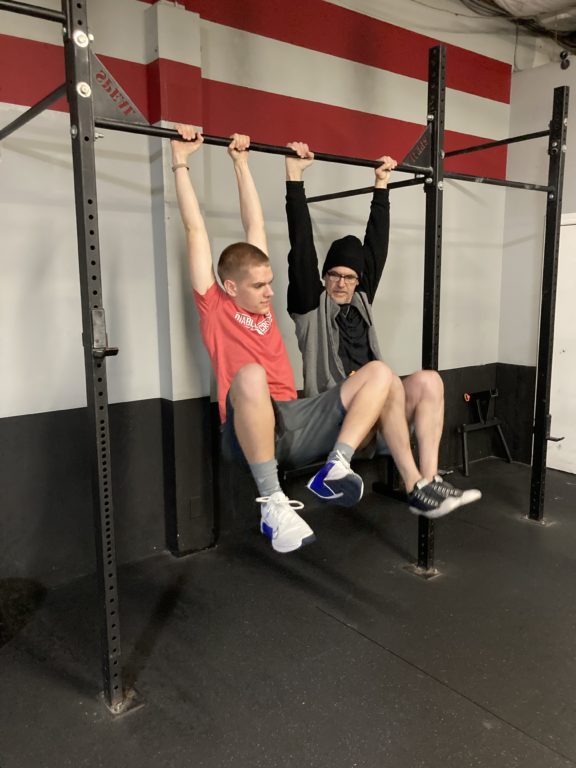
<point x="306" y="429"/>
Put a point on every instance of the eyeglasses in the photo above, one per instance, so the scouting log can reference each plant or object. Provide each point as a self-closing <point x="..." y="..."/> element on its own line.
<point x="337" y="276"/>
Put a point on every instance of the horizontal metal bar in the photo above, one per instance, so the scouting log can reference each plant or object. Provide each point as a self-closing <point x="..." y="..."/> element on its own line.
<point x="336" y="195"/>
<point x="32" y="10"/>
<point x="31" y="113"/>
<point x="220" y="141"/>
<point x="496" y="182"/>
<point x="490" y="144"/>
<point x="480" y="425"/>
<point x="364" y="190"/>
<point x="407" y="182"/>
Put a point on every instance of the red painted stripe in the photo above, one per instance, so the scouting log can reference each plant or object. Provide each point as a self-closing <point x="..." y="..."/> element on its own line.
<point x="327" y="28"/>
<point x="274" y="119"/>
<point x="30" y="70"/>
<point x="175" y="92"/>
<point x="174" y="89"/>
<point x="132" y="79"/>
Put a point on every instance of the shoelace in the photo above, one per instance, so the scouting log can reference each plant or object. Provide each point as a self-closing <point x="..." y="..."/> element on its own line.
<point x="342" y="460"/>
<point x="291" y="502"/>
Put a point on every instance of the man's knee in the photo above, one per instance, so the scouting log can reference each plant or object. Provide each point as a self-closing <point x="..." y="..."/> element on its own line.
<point x="249" y="383"/>
<point x="379" y="371"/>
<point x="432" y="383"/>
<point x="424" y="385"/>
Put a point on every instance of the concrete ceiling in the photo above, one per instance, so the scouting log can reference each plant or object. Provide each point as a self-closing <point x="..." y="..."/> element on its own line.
<point x="555" y="19"/>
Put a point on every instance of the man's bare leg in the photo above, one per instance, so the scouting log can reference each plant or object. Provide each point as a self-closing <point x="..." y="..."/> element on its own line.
<point x="363" y="396"/>
<point x="425" y="409"/>
<point x="393" y="427"/>
<point x="253" y="413"/>
<point x="254" y="423"/>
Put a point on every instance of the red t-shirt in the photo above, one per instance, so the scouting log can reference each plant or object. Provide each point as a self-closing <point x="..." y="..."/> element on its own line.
<point x="234" y="337"/>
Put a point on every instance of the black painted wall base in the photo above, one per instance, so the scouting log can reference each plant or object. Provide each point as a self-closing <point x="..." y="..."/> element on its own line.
<point x="514" y="405"/>
<point x="165" y="461"/>
<point x="187" y="439"/>
<point x="161" y="479"/>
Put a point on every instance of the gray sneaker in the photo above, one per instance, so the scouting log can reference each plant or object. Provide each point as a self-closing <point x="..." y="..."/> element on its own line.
<point x="446" y="490"/>
<point x="424" y="500"/>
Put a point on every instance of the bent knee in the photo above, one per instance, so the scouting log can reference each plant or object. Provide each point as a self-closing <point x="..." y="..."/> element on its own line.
<point x="432" y="383"/>
<point x="249" y="381"/>
<point x="381" y="371"/>
<point x="426" y="384"/>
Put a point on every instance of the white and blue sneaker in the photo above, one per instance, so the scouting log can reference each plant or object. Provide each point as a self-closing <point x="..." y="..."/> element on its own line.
<point x="336" y="483"/>
<point x="280" y="523"/>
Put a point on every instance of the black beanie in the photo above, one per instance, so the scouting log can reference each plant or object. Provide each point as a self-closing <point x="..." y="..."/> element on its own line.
<point x="346" y="252"/>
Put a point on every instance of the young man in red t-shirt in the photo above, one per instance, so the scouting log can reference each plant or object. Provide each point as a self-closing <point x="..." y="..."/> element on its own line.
<point x="263" y="421"/>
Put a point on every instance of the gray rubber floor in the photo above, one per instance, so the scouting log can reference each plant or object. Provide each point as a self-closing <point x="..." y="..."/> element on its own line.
<point x="334" y="657"/>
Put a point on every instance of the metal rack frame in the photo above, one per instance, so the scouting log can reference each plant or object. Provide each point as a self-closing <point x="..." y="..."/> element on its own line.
<point x="433" y="187"/>
<point x="83" y="121"/>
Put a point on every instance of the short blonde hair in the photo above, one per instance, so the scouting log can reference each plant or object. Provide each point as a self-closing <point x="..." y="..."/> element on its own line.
<point x="237" y="257"/>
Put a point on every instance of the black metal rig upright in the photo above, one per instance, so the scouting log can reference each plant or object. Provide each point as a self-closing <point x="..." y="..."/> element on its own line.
<point x="542" y="419"/>
<point x="79" y="91"/>
<point x="433" y="188"/>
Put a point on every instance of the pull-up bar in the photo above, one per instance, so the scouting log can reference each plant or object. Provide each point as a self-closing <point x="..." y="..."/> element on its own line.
<point x="32" y="10"/>
<point x="273" y="149"/>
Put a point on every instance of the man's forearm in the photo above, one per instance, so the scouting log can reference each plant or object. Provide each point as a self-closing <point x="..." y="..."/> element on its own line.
<point x="197" y="242"/>
<point x="376" y="241"/>
<point x="250" y="206"/>
<point x="187" y="201"/>
<point x="304" y="286"/>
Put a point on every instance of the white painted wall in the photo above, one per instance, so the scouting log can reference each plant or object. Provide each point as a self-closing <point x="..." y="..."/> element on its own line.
<point x="531" y="110"/>
<point x="150" y="315"/>
<point x="562" y="454"/>
<point x="40" y="322"/>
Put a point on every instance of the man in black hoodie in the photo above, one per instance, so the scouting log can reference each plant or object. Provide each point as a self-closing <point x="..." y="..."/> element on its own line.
<point x="336" y="334"/>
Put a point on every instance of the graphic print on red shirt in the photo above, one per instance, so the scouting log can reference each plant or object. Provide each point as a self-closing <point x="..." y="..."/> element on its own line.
<point x="235" y="337"/>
